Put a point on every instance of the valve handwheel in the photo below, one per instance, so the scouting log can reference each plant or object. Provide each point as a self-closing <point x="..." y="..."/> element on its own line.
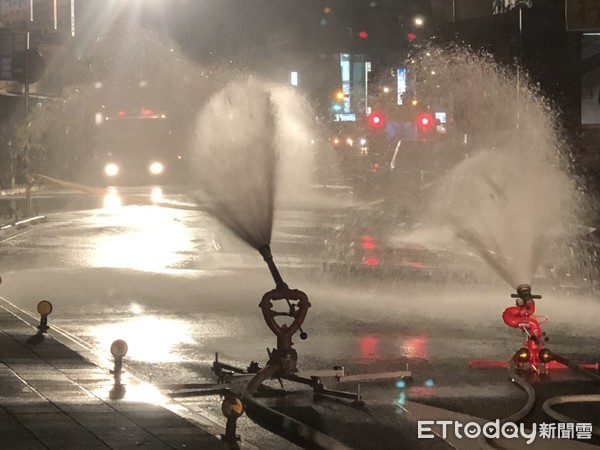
<point x="297" y="311"/>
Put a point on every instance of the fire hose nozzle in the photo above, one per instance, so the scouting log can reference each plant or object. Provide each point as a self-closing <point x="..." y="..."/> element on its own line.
<point x="265" y="251"/>
<point x="524" y="292"/>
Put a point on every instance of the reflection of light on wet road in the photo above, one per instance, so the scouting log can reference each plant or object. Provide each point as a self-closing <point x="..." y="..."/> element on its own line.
<point x="156" y="195"/>
<point x="136" y="308"/>
<point x="152" y="239"/>
<point x="374" y="347"/>
<point x="112" y="201"/>
<point x="132" y="390"/>
<point x="149" y="338"/>
<point x="402" y="398"/>
<point x="144" y="393"/>
<point x="368" y="347"/>
<point x="414" y="347"/>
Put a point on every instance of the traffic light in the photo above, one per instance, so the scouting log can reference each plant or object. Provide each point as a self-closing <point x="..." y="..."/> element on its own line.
<point x="376" y="120"/>
<point x="415" y="28"/>
<point x="337" y="106"/>
<point x="425" y="121"/>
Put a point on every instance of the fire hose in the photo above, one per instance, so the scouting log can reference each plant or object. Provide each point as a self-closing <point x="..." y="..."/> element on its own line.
<point x="564" y="399"/>
<point x="521" y="413"/>
<point x="548" y="404"/>
<point x="528" y="388"/>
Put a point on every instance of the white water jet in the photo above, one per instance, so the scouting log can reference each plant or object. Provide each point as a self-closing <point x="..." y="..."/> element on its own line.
<point x="509" y="206"/>
<point x="252" y="147"/>
<point x="512" y="198"/>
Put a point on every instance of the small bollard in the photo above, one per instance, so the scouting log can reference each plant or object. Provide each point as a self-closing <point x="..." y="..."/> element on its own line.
<point x="44" y="308"/>
<point x="118" y="349"/>
<point x="232" y="408"/>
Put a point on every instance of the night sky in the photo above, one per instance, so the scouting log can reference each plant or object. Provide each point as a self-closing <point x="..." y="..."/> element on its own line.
<point x="211" y="30"/>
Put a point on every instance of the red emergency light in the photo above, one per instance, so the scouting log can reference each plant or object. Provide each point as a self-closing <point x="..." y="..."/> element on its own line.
<point x="425" y="121"/>
<point x="376" y="120"/>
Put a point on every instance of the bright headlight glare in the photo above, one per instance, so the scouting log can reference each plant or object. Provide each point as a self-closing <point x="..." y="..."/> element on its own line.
<point x="156" y="195"/>
<point x="156" y="168"/>
<point x="111" y="169"/>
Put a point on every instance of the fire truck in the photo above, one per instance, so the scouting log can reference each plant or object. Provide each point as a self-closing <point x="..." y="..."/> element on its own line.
<point x="408" y="147"/>
<point x="138" y="146"/>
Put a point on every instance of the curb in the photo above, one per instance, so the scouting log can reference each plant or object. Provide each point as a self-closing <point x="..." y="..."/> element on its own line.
<point x="71" y="342"/>
<point x="20" y="224"/>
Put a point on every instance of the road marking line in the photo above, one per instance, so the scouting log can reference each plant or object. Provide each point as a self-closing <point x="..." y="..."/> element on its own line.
<point x="14" y="236"/>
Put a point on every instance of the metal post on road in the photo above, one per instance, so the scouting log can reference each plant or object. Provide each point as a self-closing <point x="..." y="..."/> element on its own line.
<point x="232" y="408"/>
<point x="28" y="205"/>
<point x="26" y="63"/>
<point x="26" y="66"/>
<point x="26" y="95"/>
<point x="118" y="349"/>
<point x="44" y="308"/>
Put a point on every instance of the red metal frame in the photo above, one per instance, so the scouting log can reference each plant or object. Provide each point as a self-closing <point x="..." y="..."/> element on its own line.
<point x="522" y="316"/>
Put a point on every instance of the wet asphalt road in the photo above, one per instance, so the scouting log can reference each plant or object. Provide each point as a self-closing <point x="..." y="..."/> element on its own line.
<point x="178" y="287"/>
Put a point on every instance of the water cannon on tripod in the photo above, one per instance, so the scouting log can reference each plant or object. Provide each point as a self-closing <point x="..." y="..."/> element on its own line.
<point x="523" y="316"/>
<point x="533" y="356"/>
<point x="284" y="356"/>
<point x="283" y="359"/>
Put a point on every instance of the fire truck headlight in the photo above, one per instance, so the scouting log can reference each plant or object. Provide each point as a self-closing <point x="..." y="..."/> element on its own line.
<point x="156" y="168"/>
<point x="111" y="170"/>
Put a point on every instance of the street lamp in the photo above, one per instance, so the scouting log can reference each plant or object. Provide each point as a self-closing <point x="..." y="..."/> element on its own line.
<point x="419" y="21"/>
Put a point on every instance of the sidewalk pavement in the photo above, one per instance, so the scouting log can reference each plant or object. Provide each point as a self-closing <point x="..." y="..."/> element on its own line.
<point x="51" y="397"/>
